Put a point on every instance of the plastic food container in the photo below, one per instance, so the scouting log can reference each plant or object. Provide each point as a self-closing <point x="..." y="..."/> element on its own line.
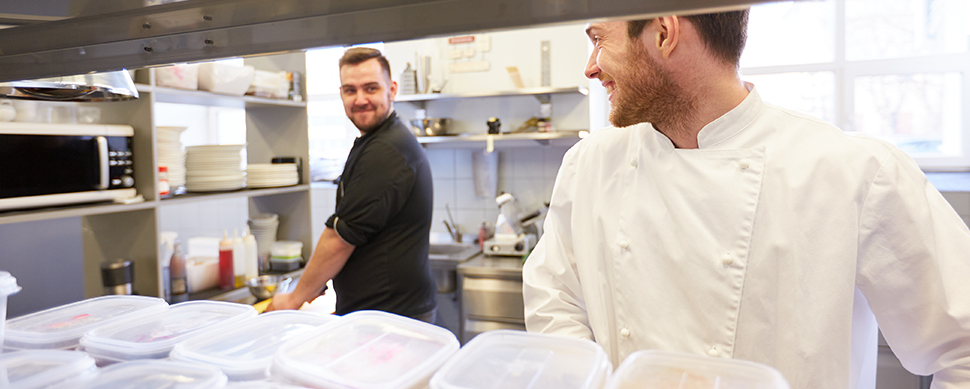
<point x="245" y="352"/>
<point x="224" y="78"/>
<point x="44" y="368"/>
<point x="287" y="249"/>
<point x="62" y="327"/>
<point x="154" y="336"/>
<point x="365" y="350"/>
<point x="516" y="359"/>
<point x="665" y="369"/>
<point x="157" y="375"/>
<point x="8" y="286"/>
<point x="260" y="385"/>
<point x="182" y="76"/>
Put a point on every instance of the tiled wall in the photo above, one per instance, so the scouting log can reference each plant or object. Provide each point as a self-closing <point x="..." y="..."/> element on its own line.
<point x="527" y="173"/>
<point x="205" y="218"/>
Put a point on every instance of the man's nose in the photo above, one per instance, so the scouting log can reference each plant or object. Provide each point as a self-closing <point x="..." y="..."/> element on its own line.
<point x="360" y="99"/>
<point x="592" y="68"/>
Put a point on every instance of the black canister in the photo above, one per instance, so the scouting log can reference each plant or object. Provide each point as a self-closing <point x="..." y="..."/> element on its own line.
<point x="117" y="277"/>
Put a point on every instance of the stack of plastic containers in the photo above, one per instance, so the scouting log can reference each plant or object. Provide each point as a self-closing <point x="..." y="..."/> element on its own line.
<point x="364" y="350"/>
<point x="35" y="369"/>
<point x="8" y="286"/>
<point x="514" y="359"/>
<point x="62" y="327"/>
<point x="156" y="375"/>
<point x="154" y="336"/>
<point x="665" y="369"/>
<point x="245" y="353"/>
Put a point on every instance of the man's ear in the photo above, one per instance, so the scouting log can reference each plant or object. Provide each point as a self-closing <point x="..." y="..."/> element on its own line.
<point x="668" y="34"/>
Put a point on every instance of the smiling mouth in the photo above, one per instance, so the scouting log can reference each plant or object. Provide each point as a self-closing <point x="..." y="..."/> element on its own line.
<point x="610" y="89"/>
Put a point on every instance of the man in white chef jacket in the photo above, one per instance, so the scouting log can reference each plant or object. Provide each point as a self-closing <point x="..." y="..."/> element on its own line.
<point x="706" y="221"/>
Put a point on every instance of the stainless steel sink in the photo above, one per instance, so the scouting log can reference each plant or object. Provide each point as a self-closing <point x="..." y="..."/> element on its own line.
<point x="444" y="259"/>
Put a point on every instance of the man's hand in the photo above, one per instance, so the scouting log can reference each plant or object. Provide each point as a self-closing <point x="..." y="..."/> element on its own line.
<point x="284" y="301"/>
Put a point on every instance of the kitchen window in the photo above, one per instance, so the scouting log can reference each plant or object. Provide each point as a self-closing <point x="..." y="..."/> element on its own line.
<point x="331" y="133"/>
<point x="893" y="69"/>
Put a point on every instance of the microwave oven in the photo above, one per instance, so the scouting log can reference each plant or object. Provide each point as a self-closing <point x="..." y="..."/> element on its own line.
<point x="45" y="164"/>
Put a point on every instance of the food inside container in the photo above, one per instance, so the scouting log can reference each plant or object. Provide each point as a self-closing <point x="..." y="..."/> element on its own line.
<point x="516" y="359"/>
<point x="182" y="76"/>
<point x="32" y="369"/>
<point x="154" y="336"/>
<point x="62" y="327"/>
<point x="245" y="352"/>
<point x="201" y="273"/>
<point x="666" y="369"/>
<point x="157" y="375"/>
<point x="364" y="350"/>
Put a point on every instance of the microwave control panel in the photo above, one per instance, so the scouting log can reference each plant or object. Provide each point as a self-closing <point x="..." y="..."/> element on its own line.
<point x="120" y="163"/>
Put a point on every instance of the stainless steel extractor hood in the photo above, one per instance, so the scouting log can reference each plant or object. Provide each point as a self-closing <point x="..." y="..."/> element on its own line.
<point x="107" y="86"/>
<point x="141" y="36"/>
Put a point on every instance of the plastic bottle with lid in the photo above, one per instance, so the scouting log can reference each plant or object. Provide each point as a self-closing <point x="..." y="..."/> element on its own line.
<point x="225" y="262"/>
<point x="252" y="265"/>
<point x="164" y="189"/>
<point x="238" y="260"/>
<point x="176" y="271"/>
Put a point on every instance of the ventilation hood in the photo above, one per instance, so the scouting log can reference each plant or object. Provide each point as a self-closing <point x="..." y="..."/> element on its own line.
<point x="108" y="86"/>
<point x="112" y="37"/>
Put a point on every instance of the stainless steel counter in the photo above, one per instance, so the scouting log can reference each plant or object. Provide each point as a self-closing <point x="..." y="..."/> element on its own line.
<point x="491" y="295"/>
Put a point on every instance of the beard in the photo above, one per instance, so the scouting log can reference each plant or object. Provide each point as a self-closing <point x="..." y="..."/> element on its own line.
<point x="648" y="94"/>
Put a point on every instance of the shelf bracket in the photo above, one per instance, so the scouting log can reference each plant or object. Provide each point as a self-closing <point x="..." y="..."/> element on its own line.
<point x="544" y="98"/>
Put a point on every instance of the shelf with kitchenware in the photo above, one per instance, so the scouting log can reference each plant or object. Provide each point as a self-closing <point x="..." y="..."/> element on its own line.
<point x="525" y="139"/>
<point x="205" y="98"/>
<point x="67" y="211"/>
<point x="190" y="197"/>
<point x="541" y="93"/>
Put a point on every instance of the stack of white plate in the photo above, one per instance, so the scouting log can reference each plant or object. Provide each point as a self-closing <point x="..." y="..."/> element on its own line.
<point x="170" y="153"/>
<point x="268" y="175"/>
<point x="263" y="227"/>
<point x="214" y="168"/>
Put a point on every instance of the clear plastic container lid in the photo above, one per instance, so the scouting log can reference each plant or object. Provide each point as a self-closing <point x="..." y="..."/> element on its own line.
<point x="365" y="350"/>
<point x="62" y="327"/>
<point x="260" y="385"/>
<point x="286" y="248"/>
<point x="246" y="352"/>
<point x="8" y="284"/>
<point x="516" y="359"/>
<point x="154" y="336"/>
<point x="157" y="375"/>
<point x="42" y="368"/>
<point x="666" y="369"/>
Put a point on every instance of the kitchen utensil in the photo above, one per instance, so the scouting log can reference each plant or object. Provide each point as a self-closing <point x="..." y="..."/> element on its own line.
<point x="430" y="126"/>
<point x="264" y="287"/>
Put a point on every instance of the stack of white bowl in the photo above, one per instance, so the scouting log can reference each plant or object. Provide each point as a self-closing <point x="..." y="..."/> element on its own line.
<point x="214" y="168"/>
<point x="170" y="154"/>
<point x="263" y="227"/>
<point x="269" y="175"/>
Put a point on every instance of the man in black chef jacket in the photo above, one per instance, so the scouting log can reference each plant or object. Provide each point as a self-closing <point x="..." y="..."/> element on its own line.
<point x="375" y="247"/>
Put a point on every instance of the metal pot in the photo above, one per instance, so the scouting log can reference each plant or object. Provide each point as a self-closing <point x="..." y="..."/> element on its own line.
<point x="430" y="126"/>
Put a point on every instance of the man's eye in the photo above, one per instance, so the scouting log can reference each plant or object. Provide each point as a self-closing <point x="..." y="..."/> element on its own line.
<point x="371" y="90"/>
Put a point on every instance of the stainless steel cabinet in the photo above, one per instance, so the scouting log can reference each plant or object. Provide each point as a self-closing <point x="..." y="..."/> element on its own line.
<point x="491" y="295"/>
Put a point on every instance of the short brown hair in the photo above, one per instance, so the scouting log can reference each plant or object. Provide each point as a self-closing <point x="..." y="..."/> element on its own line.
<point x="723" y="33"/>
<point x="358" y="55"/>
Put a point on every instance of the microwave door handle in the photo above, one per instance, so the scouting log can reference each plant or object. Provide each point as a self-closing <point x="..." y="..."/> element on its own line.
<point x="103" y="161"/>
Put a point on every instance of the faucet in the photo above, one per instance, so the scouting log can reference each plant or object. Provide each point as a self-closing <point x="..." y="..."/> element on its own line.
<point x="452" y="227"/>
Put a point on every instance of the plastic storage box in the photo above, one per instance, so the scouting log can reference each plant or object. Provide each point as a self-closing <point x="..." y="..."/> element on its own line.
<point x="154" y="336"/>
<point x="365" y="350"/>
<point x="665" y="369"/>
<point x="224" y="78"/>
<point x="245" y="353"/>
<point x="44" y="368"/>
<point x="516" y="359"/>
<point x="62" y="327"/>
<point x="157" y="375"/>
<point x="8" y="286"/>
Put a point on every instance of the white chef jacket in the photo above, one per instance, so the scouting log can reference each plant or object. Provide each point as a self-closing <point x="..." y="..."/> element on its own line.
<point x="778" y="240"/>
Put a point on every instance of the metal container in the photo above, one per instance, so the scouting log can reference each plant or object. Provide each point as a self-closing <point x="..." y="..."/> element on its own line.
<point x="264" y="287"/>
<point x="430" y="126"/>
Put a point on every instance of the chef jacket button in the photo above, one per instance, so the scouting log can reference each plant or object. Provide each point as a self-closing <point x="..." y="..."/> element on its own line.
<point x="744" y="164"/>
<point x="625" y="333"/>
<point x="727" y="259"/>
<point x="623" y="243"/>
<point x="633" y="162"/>
<point x="712" y="352"/>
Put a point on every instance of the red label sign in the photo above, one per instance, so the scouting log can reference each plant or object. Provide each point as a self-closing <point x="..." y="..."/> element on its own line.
<point x="461" y="39"/>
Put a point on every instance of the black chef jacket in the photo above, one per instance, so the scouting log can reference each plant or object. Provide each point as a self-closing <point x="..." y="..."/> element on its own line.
<point x="384" y="204"/>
